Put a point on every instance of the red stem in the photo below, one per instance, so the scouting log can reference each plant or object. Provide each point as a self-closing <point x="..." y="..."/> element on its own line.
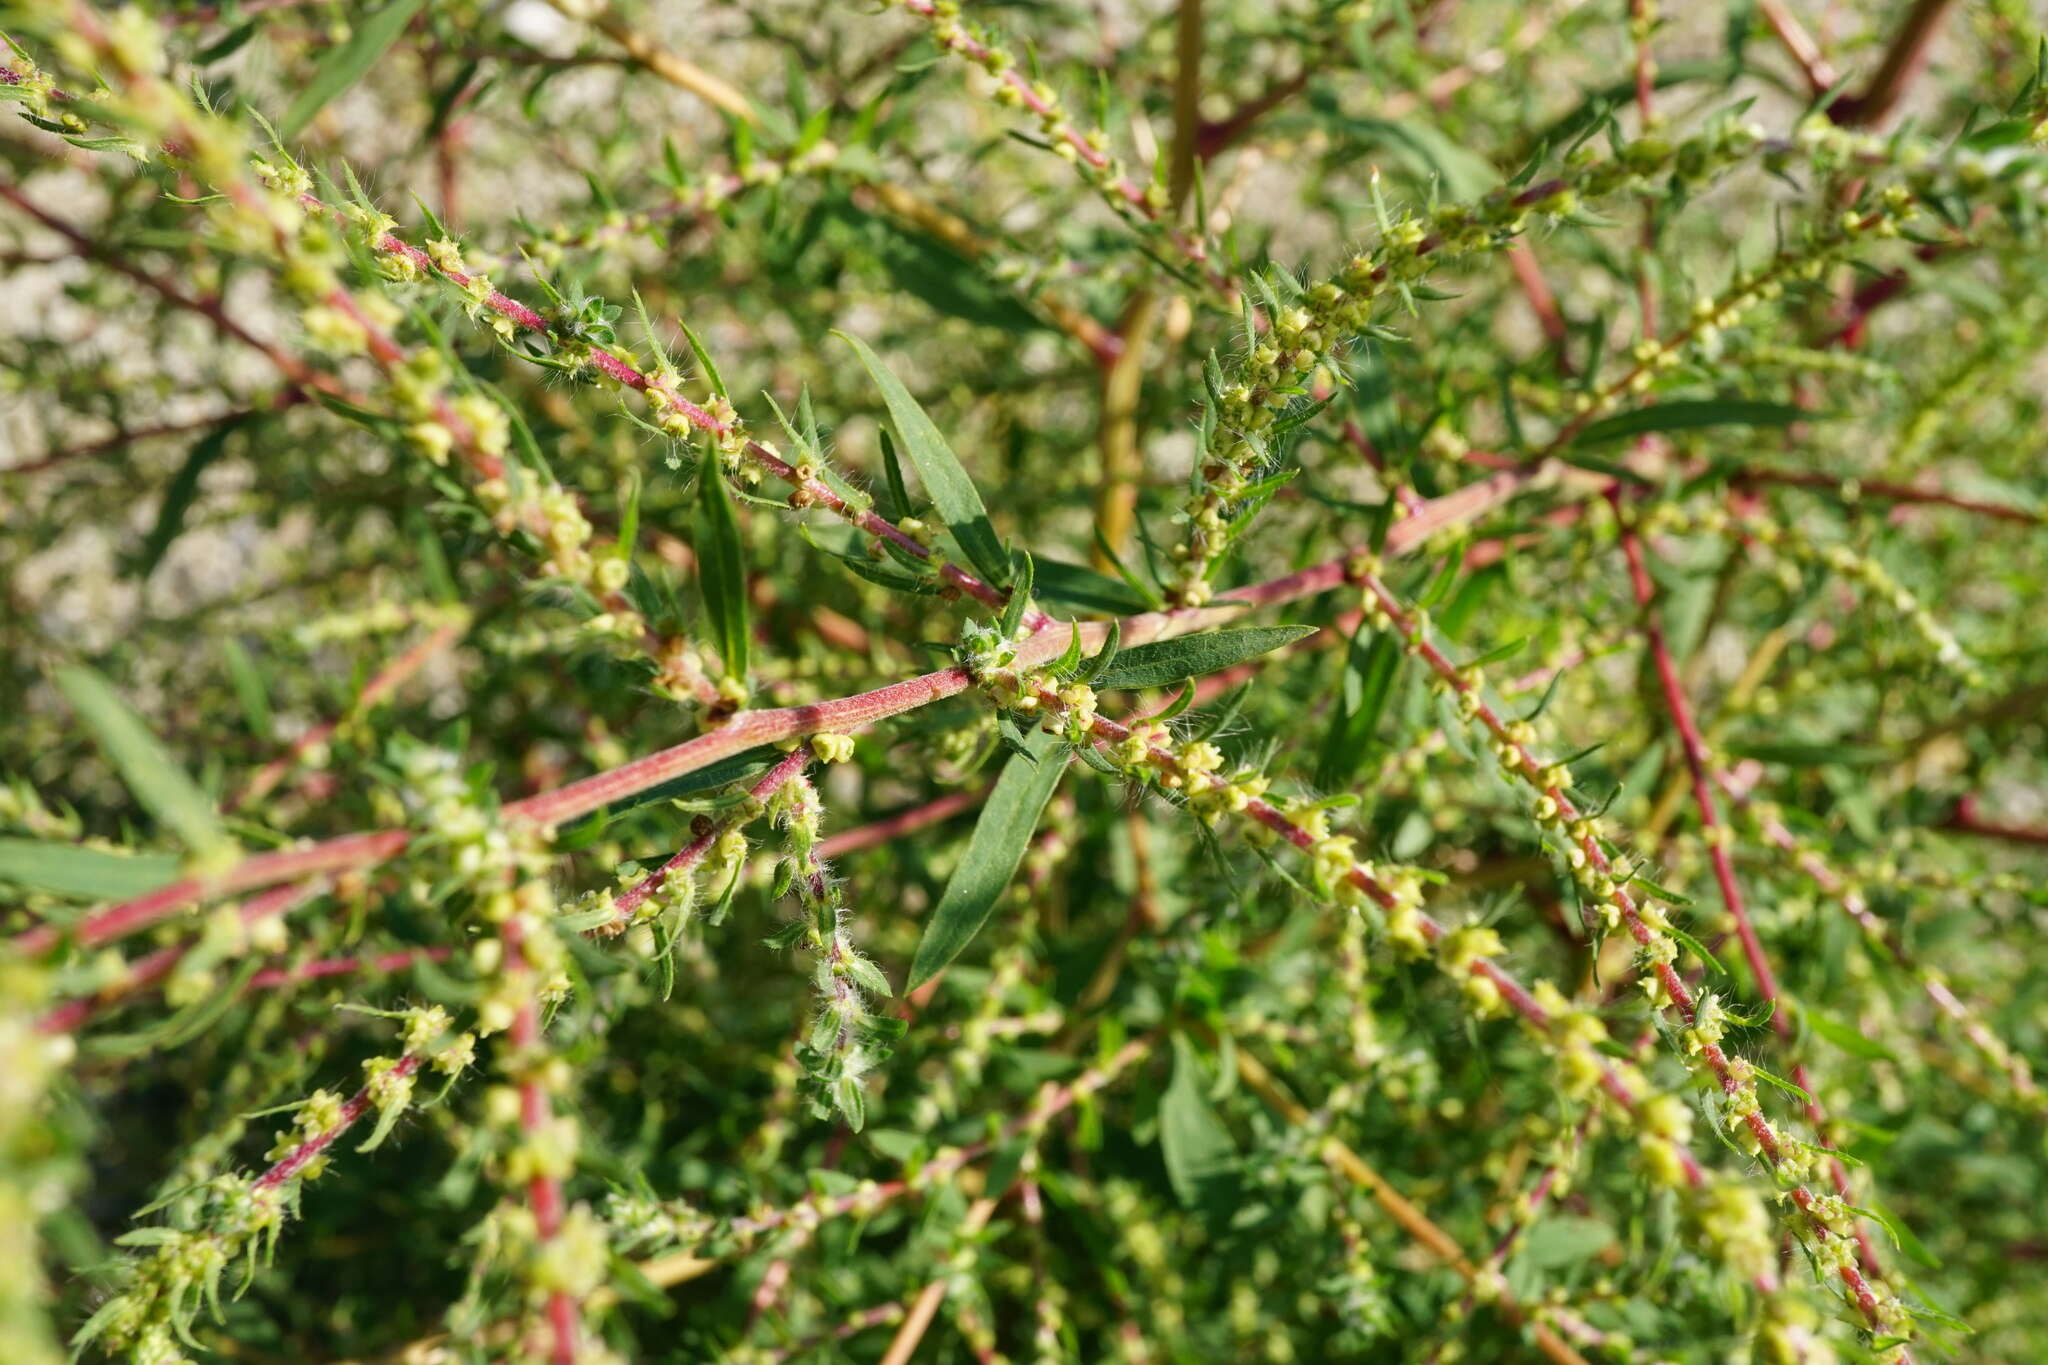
<point x="752" y="728"/>
<point x="1695" y="750"/>
<point x="692" y="852"/>
<point x="1904" y="59"/>
<point x="1966" y="820"/>
<point x="395" y="961"/>
<point x="1680" y="995"/>
<point x="156" y="966"/>
<point x="278" y="403"/>
<point x="358" y="1105"/>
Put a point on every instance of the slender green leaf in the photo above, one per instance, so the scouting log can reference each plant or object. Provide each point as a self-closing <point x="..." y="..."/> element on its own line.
<point x="993" y="853"/>
<point x="1686" y="414"/>
<point x="1846" y="1037"/>
<point x="1201" y="1158"/>
<point x="721" y="566"/>
<point x="900" y="505"/>
<point x="249" y="687"/>
<point x="1020" y="599"/>
<point x="1168" y="661"/>
<point x="1563" y="1241"/>
<point x="1083" y="589"/>
<point x="182" y="492"/>
<point x="711" y="375"/>
<point x="1902" y="1236"/>
<point x="343" y="66"/>
<point x="1370" y="673"/>
<point x="85" y="873"/>
<point x="158" y="783"/>
<point x="1794" y="754"/>
<point x="945" y="479"/>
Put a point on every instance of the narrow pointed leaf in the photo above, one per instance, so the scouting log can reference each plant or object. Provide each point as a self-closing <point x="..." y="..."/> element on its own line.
<point x="721" y="567"/>
<point x="993" y="853"/>
<point x="1201" y="1159"/>
<point x="343" y="66"/>
<point x="1169" y="661"/>
<point x="158" y="783"/>
<point x="85" y="873"/>
<point x="945" y="479"/>
<point x="1685" y="415"/>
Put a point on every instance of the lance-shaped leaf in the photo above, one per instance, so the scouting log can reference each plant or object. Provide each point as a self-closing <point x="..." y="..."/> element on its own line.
<point x="1169" y="661"/>
<point x="1688" y="414"/>
<point x="944" y="477"/>
<point x="181" y="494"/>
<point x="1369" y="673"/>
<point x="158" y="783"/>
<point x="343" y="66"/>
<point x="81" y="872"/>
<point x="1201" y="1158"/>
<point x="1074" y="585"/>
<point x="993" y="852"/>
<point x="721" y="567"/>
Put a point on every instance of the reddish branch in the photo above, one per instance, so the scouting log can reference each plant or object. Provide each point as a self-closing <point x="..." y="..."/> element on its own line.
<point x="1105" y="731"/>
<point x="1125" y="191"/>
<point x="120" y="439"/>
<point x="1966" y="820"/>
<point x="1683" y="1003"/>
<point x="543" y="1191"/>
<point x="358" y="1105"/>
<point x="320" y="968"/>
<point x="903" y="822"/>
<point x="302" y="375"/>
<point x="618" y="370"/>
<point x="693" y="852"/>
<point x="1542" y="302"/>
<point x="750" y="729"/>
<point x="1904" y="59"/>
<point x="1813" y="63"/>
<point x="154" y="967"/>
<point x="1885" y="492"/>
<point x="1715" y="833"/>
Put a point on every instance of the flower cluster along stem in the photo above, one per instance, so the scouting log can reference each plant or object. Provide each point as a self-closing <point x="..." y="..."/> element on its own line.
<point x="847" y="1039"/>
<point x="664" y="886"/>
<point x="1797" y="545"/>
<point x="241" y="1217"/>
<point x="666" y="400"/>
<point x="822" y="158"/>
<point x="385" y="682"/>
<point x="1603" y="883"/>
<point x="543" y="1187"/>
<point x="357" y="1105"/>
<point x="268" y="217"/>
<point x="1249" y="401"/>
<point x="1087" y="149"/>
<point x="1717" y="839"/>
<point x="1729" y="1214"/>
<point x="749" y="729"/>
<point x="469" y="652"/>
<point x="243" y="926"/>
